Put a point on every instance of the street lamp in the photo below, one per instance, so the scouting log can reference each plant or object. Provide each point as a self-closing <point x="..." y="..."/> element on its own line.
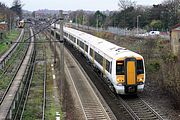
<point x="138" y="23"/>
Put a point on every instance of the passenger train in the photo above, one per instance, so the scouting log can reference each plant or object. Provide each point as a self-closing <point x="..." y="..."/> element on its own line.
<point x="122" y="69"/>
<point x="21" y="24"/>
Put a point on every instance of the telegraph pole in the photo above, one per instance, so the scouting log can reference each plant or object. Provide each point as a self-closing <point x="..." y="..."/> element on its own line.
<point x="97" y="23"/>
<point x="61" y="47"/>
<point x="138" y="24"/>
<point x="54" y="42"/>
<point x="76" y="22"/>
<point x="61" y="42"/>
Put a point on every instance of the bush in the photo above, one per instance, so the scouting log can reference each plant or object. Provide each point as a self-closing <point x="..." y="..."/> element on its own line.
<point x="153" y="66"/>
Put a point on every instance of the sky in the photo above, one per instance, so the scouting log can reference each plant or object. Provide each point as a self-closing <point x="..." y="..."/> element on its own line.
<point x="32" y="5"/>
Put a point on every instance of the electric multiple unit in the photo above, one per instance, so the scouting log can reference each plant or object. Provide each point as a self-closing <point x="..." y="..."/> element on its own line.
<point x="21" y="24"/>
<point x="122" y="69"/>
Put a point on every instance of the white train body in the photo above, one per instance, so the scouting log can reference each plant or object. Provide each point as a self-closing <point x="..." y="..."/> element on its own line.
<point x="123" y="69"/>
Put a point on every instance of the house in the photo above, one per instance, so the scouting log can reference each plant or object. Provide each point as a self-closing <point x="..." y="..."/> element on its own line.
<point x="3" y="26"/>
<point x="175" y="39"/>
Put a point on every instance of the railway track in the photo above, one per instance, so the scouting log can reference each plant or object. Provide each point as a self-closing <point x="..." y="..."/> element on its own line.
<point x="139" y="109"/>
<point x="119" y="112"/>
<point x="90" y="103"/>
<point x="11" y="49"/>
<point x="12" y="66"/>
<point x="7" y="58"/>
<point x="37" y="87"/>
<point x="11" y="97"/>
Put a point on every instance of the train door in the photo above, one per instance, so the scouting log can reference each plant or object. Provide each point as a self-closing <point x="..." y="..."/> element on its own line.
<point x="131" y="76"/>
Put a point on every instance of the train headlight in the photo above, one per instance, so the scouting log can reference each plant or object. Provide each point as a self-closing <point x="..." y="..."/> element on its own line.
<point x="141" y="80"/>
<point x="120" y="81"/>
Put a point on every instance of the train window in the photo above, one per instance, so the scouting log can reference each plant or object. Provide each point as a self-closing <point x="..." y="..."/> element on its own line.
<point x="108" y="66"/>
<point x="120" y="68"/>
<point x="66" y="34"/>
<point x="78" y="42"/>
<point x="140" y="68"/>
<point x="99" y="58"/>
<point x="70" y="37"/>
<point x="57" y="36"/>
<point x="74" y="39"/>
<point x="81" y="44"/>
<point x="91" y="52"/>
<point x="52" y="32"/>
<point x="86" y="48"/>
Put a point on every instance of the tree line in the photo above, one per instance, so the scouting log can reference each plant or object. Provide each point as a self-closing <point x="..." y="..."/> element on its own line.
<point x="157" y="17"/>
<point x="11" y="14"/>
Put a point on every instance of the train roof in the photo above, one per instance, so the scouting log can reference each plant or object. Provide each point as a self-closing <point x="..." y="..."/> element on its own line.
<point x="111" y="50"/>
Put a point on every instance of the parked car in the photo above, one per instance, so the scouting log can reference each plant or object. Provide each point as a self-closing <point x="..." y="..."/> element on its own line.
<point x="154" y="33"/>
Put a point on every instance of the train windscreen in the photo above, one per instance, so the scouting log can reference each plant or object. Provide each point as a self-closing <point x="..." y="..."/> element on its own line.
<point x="140" y="68"/>
<point x="120" y="68"/>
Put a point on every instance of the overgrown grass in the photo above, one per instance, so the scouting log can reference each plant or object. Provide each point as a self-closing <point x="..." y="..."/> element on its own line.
<point x="33" y="110"/>
<point x="34" y="105"/>
<point x="11" y="66"/>
<point x="5" y="44"/>
<point x="51" y="106"/>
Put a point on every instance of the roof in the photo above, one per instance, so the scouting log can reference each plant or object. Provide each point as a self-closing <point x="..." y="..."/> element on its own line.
<point x="109" y="49"/>
<point x="176" y="27"/>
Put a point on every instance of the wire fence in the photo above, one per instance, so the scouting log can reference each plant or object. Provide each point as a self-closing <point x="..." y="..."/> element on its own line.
<point x="124" y="32"/>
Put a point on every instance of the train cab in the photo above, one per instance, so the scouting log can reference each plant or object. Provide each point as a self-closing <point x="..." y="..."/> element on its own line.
<point x="21" y="24"/>
<point x="130" y="75"/>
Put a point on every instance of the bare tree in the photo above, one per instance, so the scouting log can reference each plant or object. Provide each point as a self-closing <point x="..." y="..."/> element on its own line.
<point x="173" y="8"/>
<point x="7" y="15"/>
<point x="17" y="8"/>
<point x="124" y="4"/>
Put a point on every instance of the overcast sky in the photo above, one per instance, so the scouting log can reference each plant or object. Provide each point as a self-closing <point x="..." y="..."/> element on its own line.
<point x="75" y="4"/>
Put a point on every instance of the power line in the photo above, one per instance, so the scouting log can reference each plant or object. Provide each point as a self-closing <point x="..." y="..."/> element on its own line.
<point x="37" y="42"/>
<point x="26" y="40"/>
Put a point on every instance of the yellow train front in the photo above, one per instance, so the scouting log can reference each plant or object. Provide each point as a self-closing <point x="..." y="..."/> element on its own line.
<point x="130" y="75"/>
<point x="123" y="70"/>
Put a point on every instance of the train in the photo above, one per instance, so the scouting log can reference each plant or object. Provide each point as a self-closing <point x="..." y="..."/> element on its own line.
<point x="21" y="24"/>
<point x="123" y="70"/>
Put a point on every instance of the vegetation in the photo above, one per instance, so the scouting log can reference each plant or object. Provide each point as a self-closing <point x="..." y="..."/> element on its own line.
<point x="33" y="110"/>
<point x="12" y="65"/>
<point x="156" y="24"/>
<point x="17" y="8"/>
<point x="5" y="44"/>
<point x="157" y="17"/>
<point x="51" y="105"/>
<point x="9" y="15"/>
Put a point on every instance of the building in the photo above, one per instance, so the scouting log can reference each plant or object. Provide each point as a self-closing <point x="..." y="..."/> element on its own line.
<point x="175" y="39"/>
<point x="3" y="28"/>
